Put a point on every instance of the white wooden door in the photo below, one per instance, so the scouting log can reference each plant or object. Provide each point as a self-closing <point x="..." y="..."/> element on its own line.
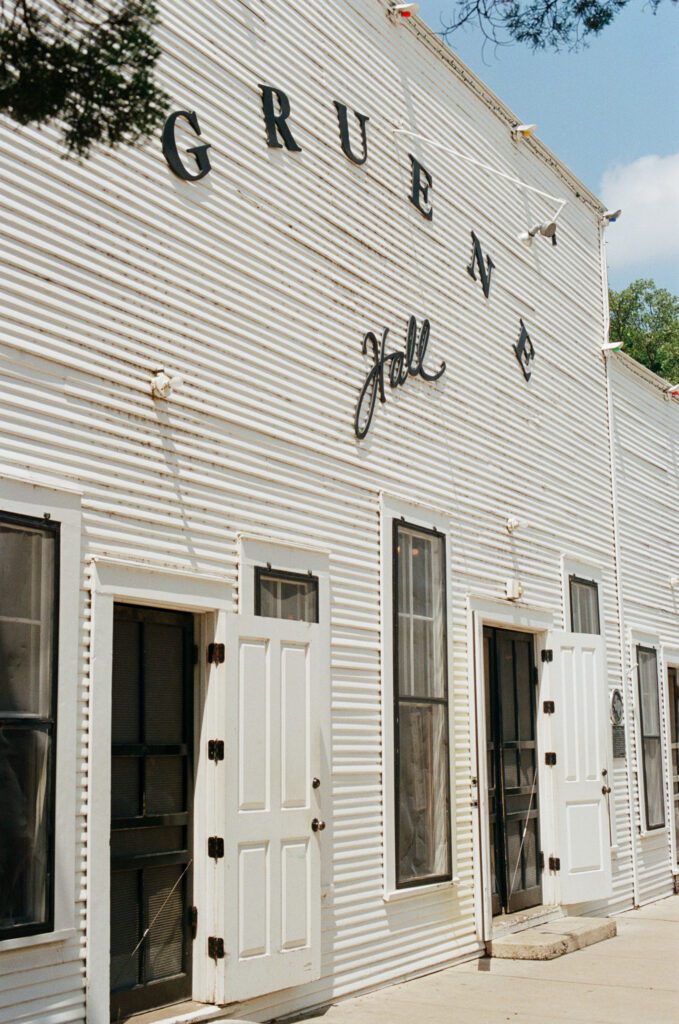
<point x="272" y="879"/>
<point x="580" y="727"/>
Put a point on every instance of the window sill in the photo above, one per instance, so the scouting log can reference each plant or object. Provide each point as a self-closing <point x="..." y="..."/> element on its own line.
<point x="43" y="939"/>
<point x="650" y="833"/>
<point x="419" y="890"/>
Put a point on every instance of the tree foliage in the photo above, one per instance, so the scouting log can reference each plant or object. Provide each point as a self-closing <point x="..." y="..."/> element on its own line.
<point x="87" y="65"/>
<point x="542" y="24"/>
<point x="646" y="319"/>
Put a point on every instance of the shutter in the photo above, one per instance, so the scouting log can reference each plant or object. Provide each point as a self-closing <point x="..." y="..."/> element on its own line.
<point x="576" y="680"/>
<point x="272" y="876"/>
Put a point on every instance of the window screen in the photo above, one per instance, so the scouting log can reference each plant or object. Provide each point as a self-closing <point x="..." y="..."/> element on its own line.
<point x="584" y="606"/>
<point x="28" y="631"/>
<point x="286" y="595"/>
<point x="421" y="707"/>
<point x="651" y="746"/>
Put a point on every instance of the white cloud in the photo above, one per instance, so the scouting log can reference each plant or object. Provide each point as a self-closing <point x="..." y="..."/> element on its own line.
<point x="647" y="191"/>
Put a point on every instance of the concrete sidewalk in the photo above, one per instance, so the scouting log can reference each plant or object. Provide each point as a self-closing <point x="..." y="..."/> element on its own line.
<point x="630" y="979"/>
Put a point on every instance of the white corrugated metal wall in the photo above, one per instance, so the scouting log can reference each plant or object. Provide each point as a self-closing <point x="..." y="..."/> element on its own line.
<point x="645" y="435"/>
<point x="258" y="284"/>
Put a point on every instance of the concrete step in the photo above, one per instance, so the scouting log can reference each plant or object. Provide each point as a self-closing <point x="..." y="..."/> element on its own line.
<point x="547" y="941"/>
<point x="510" y="924"/>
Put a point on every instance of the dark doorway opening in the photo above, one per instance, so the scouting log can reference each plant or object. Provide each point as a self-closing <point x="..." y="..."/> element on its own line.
<point x="510" y="691"/>
<point x="151" y="797"/>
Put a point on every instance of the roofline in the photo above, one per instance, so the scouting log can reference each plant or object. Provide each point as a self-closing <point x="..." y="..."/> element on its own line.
<point x="650" y="376"/>
<point x="443" y="52"/>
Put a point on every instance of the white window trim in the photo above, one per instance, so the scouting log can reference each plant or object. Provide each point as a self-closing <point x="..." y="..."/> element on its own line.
<point x="641" y="638"/>
<point x="669" y="659"/>
<point x="285" y="557"/>
<point x="63" y="506"/>
<point x="572" y="566"/>
<point x="391" y="508"/>
<point x="116" y="580"/>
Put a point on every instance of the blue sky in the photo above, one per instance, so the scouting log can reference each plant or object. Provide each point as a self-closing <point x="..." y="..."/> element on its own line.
<point x="611" y="112"/>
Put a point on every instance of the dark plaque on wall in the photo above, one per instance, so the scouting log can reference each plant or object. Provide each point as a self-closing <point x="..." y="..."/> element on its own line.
<point x="618" y="741"/>
<point x="617" y="727"/>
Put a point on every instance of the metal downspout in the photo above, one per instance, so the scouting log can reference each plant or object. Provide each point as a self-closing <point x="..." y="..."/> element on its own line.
<point x="618" y="575"/>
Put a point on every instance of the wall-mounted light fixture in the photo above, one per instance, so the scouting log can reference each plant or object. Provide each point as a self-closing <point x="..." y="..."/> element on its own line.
<point x="674" y="582"/>
<point x="163" y="383"/>
<point x="612" y="346"/>
<point x="672" y="391"/>
<point x="547" y="230"/>
<point x="610" y="216"/>
<point x="512" y="524"/>
<point x="397" y="11"/>
<point x="523" y="131"/>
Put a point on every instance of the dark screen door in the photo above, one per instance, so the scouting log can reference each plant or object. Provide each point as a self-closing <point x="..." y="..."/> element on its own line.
<point x="512" y="770"/>
<point x="151" y="789"/>
<point x="673" y="679"/>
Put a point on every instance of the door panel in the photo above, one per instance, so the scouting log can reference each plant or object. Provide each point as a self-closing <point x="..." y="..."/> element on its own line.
<point x="513" y="770"/>
<point x="272" y="856"/>
<point x="576" y="680"/>
<point x="151" y="789"/>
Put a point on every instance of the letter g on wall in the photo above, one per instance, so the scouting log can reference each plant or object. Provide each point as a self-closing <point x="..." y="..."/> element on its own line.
<point x="171" y="153"/>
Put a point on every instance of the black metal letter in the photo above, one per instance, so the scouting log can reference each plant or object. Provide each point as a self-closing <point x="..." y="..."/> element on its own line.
<point x="524" y="350"/>
<point x="485" y="271"/>
<point x="171" y="153"/>
<point x="277" y="124"/>
<point x="374" y="383"/>
<point x="422" y="351"/>
<point x="343" y="118"/>
<point x="420" y="192"/>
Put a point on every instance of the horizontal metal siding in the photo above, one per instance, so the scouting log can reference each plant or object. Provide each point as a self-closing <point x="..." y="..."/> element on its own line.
<point x="258" y="284"/>
<point x="646" y="449"/>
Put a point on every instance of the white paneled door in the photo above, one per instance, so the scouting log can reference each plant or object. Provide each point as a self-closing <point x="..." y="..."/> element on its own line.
<point x="580" y="736"/>
<point x="272" y="794"/>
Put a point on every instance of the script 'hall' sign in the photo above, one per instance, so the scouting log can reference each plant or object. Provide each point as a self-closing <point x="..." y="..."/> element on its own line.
<point x="396" y="366"/>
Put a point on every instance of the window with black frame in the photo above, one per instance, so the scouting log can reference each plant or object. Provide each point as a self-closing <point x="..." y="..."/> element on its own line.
<point x="28" y="684"/>
<point x="423" y="843"/>
<point x="584" y="598"/>
<point x="651" y="743"/>
<point x="286" y="595"/>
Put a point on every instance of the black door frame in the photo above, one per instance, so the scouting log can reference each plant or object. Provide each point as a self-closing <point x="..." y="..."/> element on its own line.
<point x="156" y="994"/>
<point x="504" y="901"/>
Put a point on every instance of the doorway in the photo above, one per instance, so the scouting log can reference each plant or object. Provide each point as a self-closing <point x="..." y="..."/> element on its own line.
<point x="513" y="803"/>
<point x="151" y="797"/>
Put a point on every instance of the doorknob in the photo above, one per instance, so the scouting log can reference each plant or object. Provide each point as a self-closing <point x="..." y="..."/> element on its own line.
<point x="605" y="790"/>
<point x="317" y="826"/>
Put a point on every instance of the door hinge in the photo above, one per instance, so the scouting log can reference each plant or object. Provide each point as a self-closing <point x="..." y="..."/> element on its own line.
<point x="555" y="864"/>
<point x="215" y="948"/>
<point x="216" y="653"/>
<point x="215" y="750"/>
<point x="194" y="922"/>
<point x="542" y="861"/>
<point x="550" y="758"/>
<point x="215" y="847"/>
<point x="548" y="654"/>
<point x="548" y="707"/>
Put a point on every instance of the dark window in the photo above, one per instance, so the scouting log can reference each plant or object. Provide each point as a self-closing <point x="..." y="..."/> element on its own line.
<point x="421" y="707"/>
<point x="673" y="680"/>
<point x="651" y="746"/>
<point x="584" y="606"/>
<point x="286" y="595"/>
<point x="28" y="685"/>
